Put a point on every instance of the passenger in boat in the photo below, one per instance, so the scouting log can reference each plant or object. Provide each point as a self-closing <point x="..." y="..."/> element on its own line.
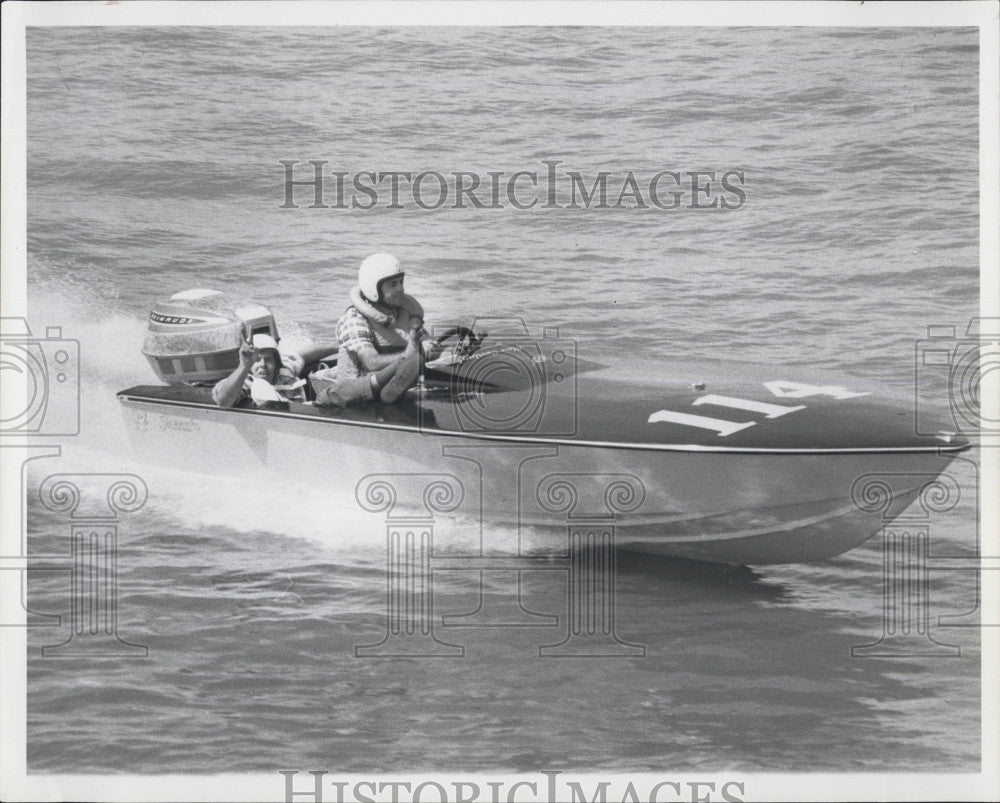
<point x="261" y="376"/>
<point x="382" y="336"/>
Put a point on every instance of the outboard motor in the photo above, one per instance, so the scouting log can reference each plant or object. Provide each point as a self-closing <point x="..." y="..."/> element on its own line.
<point x="194" y="337"/>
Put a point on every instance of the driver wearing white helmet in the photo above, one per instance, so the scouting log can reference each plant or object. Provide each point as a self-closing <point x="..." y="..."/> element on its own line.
<point x="381" y="335"/>
<point x="260" y="377"/>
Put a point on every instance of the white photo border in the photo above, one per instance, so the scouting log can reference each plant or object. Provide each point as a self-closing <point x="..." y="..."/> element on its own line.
<point x="17" y="784"/>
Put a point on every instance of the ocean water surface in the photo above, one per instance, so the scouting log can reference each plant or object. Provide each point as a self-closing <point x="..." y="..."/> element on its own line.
<point x="154" y="165"/>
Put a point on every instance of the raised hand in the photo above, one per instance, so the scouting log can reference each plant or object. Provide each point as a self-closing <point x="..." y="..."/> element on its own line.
<point x="247" y="354"/>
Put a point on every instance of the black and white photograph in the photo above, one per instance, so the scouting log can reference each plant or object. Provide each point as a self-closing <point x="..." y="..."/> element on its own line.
<point x="558" y="402"/>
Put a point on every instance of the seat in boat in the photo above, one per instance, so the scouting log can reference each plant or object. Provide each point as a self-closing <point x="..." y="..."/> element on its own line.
<point x="317" y="358"/>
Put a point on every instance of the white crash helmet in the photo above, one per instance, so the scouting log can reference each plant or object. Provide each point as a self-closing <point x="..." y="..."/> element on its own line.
<point x="376" y="269"/>
<point x="263" y="342"/>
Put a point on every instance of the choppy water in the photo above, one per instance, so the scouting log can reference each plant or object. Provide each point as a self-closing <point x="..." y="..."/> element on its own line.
<point x="153" y="166"/>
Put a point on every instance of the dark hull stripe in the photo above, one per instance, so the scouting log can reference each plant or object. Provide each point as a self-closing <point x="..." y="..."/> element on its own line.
<point x="657" y="447"/>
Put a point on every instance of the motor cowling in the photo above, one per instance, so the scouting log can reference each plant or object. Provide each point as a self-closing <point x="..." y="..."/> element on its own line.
<point x="194" y="336"/>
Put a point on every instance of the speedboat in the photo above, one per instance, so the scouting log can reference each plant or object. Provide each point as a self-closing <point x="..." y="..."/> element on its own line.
<point x="729" y="463"/>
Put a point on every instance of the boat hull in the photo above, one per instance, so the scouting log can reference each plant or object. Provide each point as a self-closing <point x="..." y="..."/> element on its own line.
<point x="527" y="495"/>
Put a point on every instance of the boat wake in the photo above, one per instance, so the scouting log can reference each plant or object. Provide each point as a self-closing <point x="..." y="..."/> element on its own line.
<point x="109" y="359"/>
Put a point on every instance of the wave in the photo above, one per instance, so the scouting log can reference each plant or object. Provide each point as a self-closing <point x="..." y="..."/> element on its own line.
<point x="110" y="361"/>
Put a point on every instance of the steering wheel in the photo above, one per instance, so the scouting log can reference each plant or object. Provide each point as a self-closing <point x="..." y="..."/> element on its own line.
<point x="468" y="341"/>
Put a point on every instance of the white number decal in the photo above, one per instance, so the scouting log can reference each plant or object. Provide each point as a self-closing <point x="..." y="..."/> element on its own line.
<point x="783" y="390"/>
<point x="718" y="425"/>
<point x="794" y="390"/>
<point x="769" y="410"/>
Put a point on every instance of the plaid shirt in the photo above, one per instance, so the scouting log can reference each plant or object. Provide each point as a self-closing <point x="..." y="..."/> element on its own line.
<point x="354" y="331"/>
